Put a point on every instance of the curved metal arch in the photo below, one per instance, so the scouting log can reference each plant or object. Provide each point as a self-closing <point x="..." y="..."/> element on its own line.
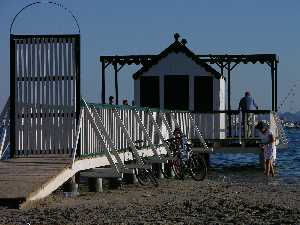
<point x="45" y="2"/>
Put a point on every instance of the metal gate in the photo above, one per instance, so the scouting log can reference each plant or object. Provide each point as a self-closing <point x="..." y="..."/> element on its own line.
<point x="45" y="93"/>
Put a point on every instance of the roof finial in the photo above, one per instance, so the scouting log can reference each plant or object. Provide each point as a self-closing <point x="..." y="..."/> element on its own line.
<point x="183" y="41"/>
<point x="176" y="36"/>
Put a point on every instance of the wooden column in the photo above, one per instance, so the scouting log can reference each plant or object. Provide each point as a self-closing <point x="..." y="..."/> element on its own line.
<point x="275" y="83"/>
<point x="229" y="97"/>
<point x="116" y="82"/>
<point x="12" y="96"/>
<point x="78" y="93"/>
<point x="103" y="82"/>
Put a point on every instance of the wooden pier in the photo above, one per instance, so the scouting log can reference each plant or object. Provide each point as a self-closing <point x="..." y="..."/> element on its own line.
<point x="52" y="134"/>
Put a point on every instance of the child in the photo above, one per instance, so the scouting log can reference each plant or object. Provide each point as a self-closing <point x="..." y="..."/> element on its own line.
<point x="269" y="148"/>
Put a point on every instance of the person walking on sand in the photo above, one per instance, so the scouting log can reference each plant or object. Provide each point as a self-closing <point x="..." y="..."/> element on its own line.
<point x="268" y="147"/>
<point x="246" y="104"/>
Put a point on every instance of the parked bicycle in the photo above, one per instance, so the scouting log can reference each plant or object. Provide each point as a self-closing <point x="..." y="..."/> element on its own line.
<point x="185" y="161"/>
<point x="145" y="176"/>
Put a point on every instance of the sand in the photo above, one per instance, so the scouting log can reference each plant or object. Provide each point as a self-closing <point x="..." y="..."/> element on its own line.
<point x="173" y="202"/>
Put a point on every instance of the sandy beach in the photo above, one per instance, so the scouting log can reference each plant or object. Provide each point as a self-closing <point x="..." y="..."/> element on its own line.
<point x="173" y="202"/>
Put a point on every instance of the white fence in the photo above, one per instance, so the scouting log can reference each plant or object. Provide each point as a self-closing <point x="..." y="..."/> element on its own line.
<point x="121" y="127"/>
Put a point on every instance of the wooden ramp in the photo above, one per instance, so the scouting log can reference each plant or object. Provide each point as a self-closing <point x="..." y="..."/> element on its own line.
<point x="22" y="178"/>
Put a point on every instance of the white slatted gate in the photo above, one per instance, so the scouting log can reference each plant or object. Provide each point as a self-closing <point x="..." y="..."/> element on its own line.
<point x="45" y="93"/>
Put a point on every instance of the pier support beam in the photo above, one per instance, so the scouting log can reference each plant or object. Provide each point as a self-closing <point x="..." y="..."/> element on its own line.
<point x="95" y="184"/>
<point x="114" y="182"/>
<point x="130" y="178"/>
<point x="70" y="188"/>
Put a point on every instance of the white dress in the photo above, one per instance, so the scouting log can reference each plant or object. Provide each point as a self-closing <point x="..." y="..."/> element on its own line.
<point x="270" y="149"/>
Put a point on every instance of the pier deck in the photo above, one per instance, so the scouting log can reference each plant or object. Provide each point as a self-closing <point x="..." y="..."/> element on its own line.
<point x="22" y="177"/>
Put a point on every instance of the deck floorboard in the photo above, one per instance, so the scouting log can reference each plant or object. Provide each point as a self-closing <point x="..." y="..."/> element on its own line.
<point x="19" y="177"/>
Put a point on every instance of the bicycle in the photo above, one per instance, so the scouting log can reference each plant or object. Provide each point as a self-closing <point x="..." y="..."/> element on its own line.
<point x="192" y="163"/>
<point x="144" y="175"/>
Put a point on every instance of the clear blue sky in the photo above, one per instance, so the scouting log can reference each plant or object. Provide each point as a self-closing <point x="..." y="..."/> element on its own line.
<point x="147" y="27"/>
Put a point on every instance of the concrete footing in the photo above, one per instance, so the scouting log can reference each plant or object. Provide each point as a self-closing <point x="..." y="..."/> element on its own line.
<point x="95" y="184"/>
<point x="114" y="182"/>
<point x="70" y="188"/>
<point x="130" y="178"/>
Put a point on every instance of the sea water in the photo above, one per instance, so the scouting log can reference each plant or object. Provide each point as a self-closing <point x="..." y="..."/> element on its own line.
<point x="246" y="167"/>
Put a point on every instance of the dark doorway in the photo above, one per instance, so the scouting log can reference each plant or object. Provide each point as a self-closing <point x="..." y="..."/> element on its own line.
<point x="149" y="92"/>
<point x="203" y="97"/>
<point x="176" y="92"/>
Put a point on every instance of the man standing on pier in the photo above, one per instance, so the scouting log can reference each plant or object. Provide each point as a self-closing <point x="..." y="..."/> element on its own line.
<point x="247" y="104"/>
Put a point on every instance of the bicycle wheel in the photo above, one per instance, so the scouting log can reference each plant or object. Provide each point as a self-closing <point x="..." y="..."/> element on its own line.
<point x="145" y="177"/>
<point x="198" y="168"/>
<point x="178" y="168"/>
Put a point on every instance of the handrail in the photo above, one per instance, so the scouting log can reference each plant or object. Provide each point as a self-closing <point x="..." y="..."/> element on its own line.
<point x="109" y="106"/>
<point x="77" y="137"/>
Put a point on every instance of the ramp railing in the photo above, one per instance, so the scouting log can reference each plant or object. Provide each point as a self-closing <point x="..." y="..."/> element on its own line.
<point x="124" y="125"/>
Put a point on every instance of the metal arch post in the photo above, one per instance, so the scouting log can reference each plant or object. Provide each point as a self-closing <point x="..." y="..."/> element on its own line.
<point x="44" y="2"/>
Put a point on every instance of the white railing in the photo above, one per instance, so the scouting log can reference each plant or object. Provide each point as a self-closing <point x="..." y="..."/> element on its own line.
<point x="4" y="131"/>
<point x="124" y="126"/>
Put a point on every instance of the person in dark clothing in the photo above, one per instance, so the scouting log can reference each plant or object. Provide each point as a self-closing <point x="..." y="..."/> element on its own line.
<point x="246" y="104"/>
<point x="111" y="100"/>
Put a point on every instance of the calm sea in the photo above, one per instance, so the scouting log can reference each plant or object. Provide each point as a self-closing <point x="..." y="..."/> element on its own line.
<point x="245" y="167"/>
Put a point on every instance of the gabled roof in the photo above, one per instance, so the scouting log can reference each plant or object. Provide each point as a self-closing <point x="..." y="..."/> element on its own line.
<point x="177" y="47"/>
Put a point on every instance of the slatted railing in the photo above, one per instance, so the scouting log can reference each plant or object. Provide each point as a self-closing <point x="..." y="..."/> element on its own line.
<point x="124" y="125"/>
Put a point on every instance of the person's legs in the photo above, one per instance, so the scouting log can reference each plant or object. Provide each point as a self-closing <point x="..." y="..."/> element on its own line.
<point x="272" y="168"/>
<point x="250" y="124"/>
<point x="243" y="126"/>
<point x="268" y="167"/>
